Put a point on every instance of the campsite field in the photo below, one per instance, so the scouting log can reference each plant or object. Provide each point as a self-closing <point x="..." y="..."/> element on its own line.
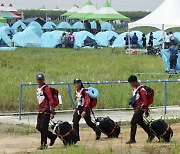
<point x="22" y="65"/>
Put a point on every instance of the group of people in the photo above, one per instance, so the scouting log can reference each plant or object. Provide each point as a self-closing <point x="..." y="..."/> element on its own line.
<point x="134" y="40"/>
<point x="83" y="110"/>
<point x="170" y="40"/>
<point x="67" y="41"/>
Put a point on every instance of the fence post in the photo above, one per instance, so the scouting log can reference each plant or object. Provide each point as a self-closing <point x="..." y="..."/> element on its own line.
<point x="165" y="97"/>
<point x="20" y="102"/>
<point x="70" y="96"/>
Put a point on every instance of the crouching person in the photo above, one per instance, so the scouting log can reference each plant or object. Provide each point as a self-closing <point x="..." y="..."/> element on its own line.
<point x="140" y="104"/>
<point x="45" y="112"/>
<point x="83" y="109"/>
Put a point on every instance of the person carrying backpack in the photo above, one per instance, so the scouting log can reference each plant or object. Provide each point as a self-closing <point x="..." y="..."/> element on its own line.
<point x="140" y="101"/>
<point x="83" y="109"/>
<point x="45" y="112"/>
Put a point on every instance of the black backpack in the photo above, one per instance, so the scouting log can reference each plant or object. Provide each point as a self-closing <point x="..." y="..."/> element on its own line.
<point x="161" y="130"/>
<point x="65" y="132"/>
<point x="108" y="127"/>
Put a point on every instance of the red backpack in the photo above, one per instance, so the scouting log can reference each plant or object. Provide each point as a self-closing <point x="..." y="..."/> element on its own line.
<point x="150" y="94"/>
<point x="55" y="95"/>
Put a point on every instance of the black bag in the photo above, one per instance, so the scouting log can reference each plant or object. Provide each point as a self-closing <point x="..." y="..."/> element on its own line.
<point x="108" y="127"/>
<point x="162" y="130"/>
<point x="65" y="132"/>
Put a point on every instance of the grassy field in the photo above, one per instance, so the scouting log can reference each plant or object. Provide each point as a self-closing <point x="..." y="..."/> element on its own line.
<point x="22" y="65"/>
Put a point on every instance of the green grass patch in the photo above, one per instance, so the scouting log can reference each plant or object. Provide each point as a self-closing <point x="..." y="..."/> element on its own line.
<point x="22" y="65"/>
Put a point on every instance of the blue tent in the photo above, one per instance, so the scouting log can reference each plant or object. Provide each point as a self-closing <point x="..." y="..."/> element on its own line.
<point x="6" y="29"/>
<point x="26" y="39"/>
<point x="107" y="26"/>
<point x="119" y="42"/>
<point x="103" y="38"/>
<point x="78" y="25"/>
<point x="166" y="57"/>
<point x="36" y="30"/>
<point x="64" y="25"/>
<point x="5" y="38"/>
<point x="80" y="37"/>
<point x="4" y="24"/>
<point x="51" y="39"/>
<point x="177" y="35"/>
<point x="35" y="24"/>
<point x="158" y="35"/>
<point x="18" y="24"/>
<point x="93" y="25"/>
<point x="49" y="25"/>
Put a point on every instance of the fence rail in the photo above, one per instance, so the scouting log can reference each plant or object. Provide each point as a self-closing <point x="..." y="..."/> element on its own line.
<point x="165" y="82"/>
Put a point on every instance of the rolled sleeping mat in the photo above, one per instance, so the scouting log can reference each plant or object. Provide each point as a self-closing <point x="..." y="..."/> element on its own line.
<point x="93" y="93"/>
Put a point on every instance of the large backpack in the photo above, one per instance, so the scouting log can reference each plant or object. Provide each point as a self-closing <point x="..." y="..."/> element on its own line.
<point x="93" y="94"/>
<point x="150" y="94"/>
<point x="55" y="95"/>
<point x="161" y="130"/>
<point x="108" y="127"/>
<point x="65" y="132"/>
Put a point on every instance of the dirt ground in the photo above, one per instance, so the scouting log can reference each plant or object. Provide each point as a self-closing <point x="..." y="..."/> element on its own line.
<point x="15" y="144"/>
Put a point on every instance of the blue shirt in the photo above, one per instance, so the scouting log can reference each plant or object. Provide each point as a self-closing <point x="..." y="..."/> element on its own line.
<point x="134" y="39"/>
<point x="173" y="51"/>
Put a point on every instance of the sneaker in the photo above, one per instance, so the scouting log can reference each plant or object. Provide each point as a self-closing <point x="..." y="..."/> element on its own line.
<point x="131" y="142"/>
<point x="98" y="134"/>
<point x="150" y="138"/>
<point x="52" y="141"/>
<point x="43" y="147"/>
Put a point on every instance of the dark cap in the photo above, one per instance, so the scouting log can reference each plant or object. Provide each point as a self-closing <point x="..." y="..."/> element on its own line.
<point x="77" y="81"/>
<point x="40" y="77"/>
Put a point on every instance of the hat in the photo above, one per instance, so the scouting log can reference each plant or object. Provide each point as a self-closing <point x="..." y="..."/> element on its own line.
<point x="40" y="77"/>
<point x="77" y="80"/>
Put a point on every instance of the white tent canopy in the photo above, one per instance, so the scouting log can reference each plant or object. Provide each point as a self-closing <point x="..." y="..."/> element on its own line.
<point x="10" y="8"/>
<point x="162" y="17"/>
<point x="74" y="9"/>
<point x="2" y="7"/>
<point x="88" y="8"/>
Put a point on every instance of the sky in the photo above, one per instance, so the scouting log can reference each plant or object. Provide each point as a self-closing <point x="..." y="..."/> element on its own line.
<point x="129" y="5"/>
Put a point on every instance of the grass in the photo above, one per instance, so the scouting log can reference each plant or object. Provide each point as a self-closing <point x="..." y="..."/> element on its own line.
<point x="22" y="65"/>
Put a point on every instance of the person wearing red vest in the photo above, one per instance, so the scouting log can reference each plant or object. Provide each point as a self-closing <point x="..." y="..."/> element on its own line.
<point x="83" y="109"/>
<point x="140" y="107"/>
<point x="45" y="112"/>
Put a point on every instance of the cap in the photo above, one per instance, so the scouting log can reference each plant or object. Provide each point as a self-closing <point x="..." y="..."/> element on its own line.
<point x="40" y="77"/>
<point x="77" y="80"/>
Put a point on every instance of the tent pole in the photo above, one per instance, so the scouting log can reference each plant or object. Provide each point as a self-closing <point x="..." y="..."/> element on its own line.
<point x="129" y="43"/>
<point x="163" y="45"/>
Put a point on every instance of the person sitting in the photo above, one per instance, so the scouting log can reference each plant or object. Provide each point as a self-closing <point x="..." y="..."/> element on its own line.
<point x="173" y="56"/>
<point x="71" y="40"/>
<point x="135" y="40"/>
<point x="143" y="40"/>
<point x="126" y="39"/>
<point x="64" y="40"/>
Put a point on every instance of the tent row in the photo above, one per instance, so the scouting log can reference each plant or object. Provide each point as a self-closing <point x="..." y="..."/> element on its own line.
<point x="30" y="38"/>
<point x="52" y="26"/>
<point x="89" y="12"/>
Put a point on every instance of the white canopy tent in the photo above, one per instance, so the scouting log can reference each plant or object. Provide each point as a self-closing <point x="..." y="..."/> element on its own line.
<point x="10" y="8"/>
<point x="2" y="8"/>
<point x="162" y="18"/>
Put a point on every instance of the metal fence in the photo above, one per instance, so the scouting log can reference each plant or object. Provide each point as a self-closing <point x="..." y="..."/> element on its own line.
<point x="165" y="82"/>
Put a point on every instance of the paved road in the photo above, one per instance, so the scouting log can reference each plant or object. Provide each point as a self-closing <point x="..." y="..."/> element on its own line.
<point x="119" y="115"/>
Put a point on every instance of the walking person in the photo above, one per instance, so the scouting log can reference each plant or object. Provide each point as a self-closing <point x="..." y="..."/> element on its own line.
<point x="126" y="39"/>
<point x="140" y="107"/>
<point x="173" y="56"/>
<point x="45" y="112"/>
<point x="83" y="109"/>
<point x="144" y="40"/>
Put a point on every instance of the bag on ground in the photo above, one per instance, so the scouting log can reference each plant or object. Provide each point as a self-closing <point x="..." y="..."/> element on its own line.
<point x="108" y="127"/>
<point x="65" y="132"/>
<point x="161" y="130"/>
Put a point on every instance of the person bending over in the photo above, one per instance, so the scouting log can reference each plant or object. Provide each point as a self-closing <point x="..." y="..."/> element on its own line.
<point x="140" y="107"/>
<point x="45" y="112"/>
<point x="83" y="109"/>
